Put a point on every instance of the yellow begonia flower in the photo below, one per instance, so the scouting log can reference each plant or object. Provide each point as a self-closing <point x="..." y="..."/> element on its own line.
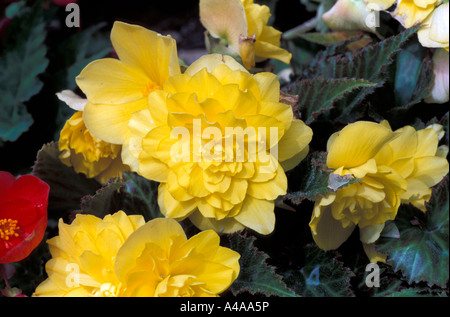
<point x="370" y="202"/>
<point x="243" y="25"/>
<point x="435" y="29"/>
<point x="393" y="168"/>
<point x="415" y="156"/>
<point x="88" y="154"/>
<point x="116" y="88"/>
<point x="122" y="256"/>
<point x="412" y="12"/>
<point x="83" y="151"/>
<point x="219" y="185"/>
<point x="83" y="256"/>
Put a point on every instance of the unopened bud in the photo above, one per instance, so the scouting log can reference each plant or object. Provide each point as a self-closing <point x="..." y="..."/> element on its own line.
<point x="352" y="15"/>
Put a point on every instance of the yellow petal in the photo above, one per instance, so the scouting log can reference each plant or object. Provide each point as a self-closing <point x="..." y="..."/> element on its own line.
<point x="268" y="50"/>
<point x="372" y="254"/>
<point x="110" y="122"/>
<point x="430" y="170"/>
<point x="427" y="142"/>
<point x="328" y="233"/>
<point x="356" y="144"/>
<point x="440" y="24"/>
<point x="370" y="234"/>
<point x="271" y="189"/>
<point x="110" y="81"/>
<point x="226" y="225"/>
<point x="269" y="86"/>
<point x="172" y="208"/>
<point x="158" y="231"/>
<point x="153" y="53"/>
<point x="409" y="14"/>
<point x="211" y="61"/>
<point x="139" y="125"/>
<point x="257" y="214"/>
<point x="294" y="140"/>
<point x="380" y="4"/>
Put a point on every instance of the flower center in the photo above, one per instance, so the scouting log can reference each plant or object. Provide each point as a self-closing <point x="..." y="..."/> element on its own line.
<point x="149" y="87"/>
<point x="8" y="228"/>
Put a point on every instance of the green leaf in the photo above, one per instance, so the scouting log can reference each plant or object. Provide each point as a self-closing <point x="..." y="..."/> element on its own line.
<point x="66" y="186"/>
<point x="320" y="94"/>
<point x="314" y="178"/>
<point x="104" y="201"/>
<point x="132" y="193"/>
<point x="370" y="63"/>
<point x="139" y="195"/>
<point x="327" y="39"/>
<point x="323" y="275"/>
<point x="255" y="275"/>
<point x="414" y="70"/>
<point x="20" y="65"/>
<point x="421" y="252"/>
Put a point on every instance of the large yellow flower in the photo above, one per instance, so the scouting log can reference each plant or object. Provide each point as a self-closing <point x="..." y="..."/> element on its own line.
<point x="242" y="24"/>
<point x="370" y="202"/>
<point x="416" y="157"/>
<point x="116" y="88"/>
<point x="122" y="256"/>
<point x="224" y="171"/>
<point x="83" y="256"/>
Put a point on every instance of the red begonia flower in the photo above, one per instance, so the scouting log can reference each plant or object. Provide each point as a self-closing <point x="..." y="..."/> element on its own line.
<point x="63" y="3"/>
<point x="23" y="215"/>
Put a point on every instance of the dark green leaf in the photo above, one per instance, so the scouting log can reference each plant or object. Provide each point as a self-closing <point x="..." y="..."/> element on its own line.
<point x="66" y="186"/>
<point x="413" y="75"/>
<point x="139" y="195"/>
<point x="20" y="65"/>
<point x="370" y="63"/>
<point x="132" y="193"/>
<point x="255" y="275"/>
<point x="105" y="200"/>
<point x="322" y="275"/>
<point x="320" y="94"/>
<point x="421" y="252"/>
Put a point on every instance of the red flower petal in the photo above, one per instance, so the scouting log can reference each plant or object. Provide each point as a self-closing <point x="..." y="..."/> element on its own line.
<point x="23" y="200"/>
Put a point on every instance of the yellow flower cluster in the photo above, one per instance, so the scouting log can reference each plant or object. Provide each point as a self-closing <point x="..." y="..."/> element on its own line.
<point x="122" y="255"/>
<point x="214" y="101"/>
<point x="88" y="154"/>
<point x="392" y="167"/>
